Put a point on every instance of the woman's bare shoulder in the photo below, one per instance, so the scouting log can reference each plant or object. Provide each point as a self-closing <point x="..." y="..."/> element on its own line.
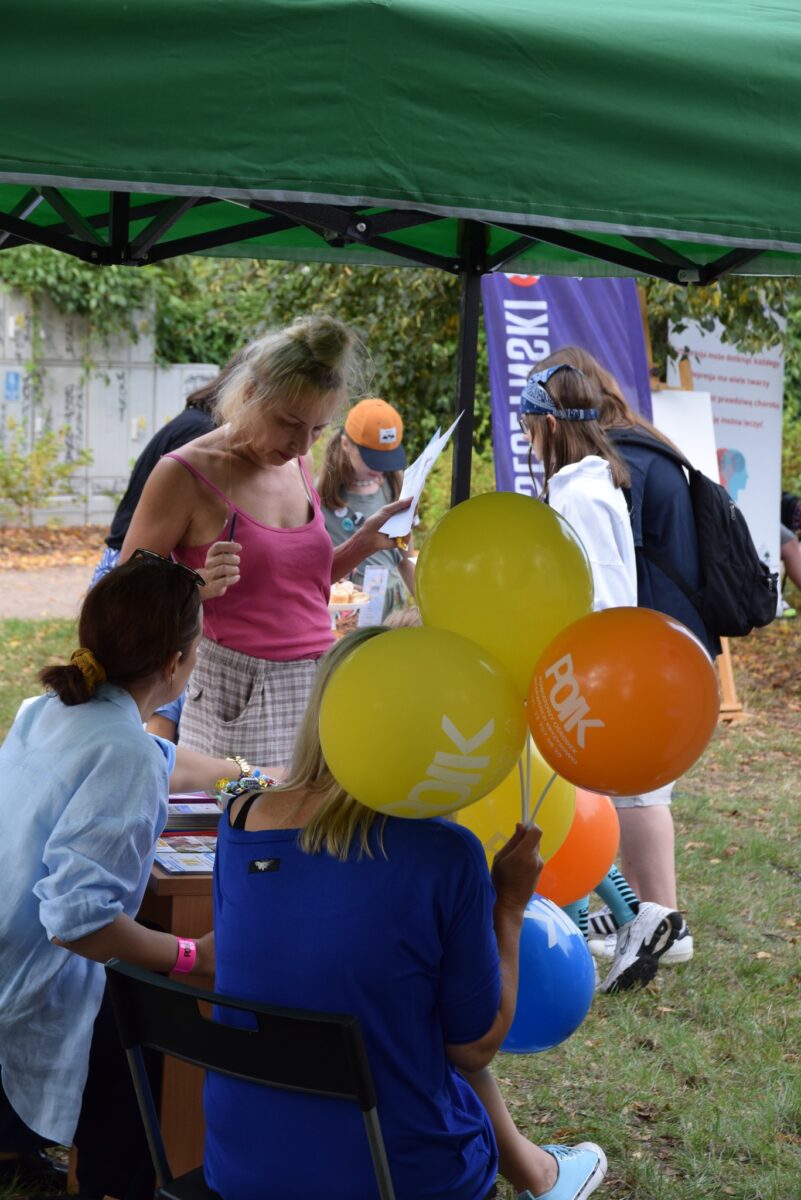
<point x="208" y="454"/>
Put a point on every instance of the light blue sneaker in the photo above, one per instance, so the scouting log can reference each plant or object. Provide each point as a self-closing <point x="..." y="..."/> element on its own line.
<point x="581" y="1171"/>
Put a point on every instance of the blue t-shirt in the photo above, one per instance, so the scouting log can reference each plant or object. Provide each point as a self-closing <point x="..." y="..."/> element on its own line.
<point x="406" y="943"/>
<point x="173" y="710"/>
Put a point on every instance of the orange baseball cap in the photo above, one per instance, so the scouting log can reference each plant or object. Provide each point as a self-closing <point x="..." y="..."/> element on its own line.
<point x="377" y="429"/>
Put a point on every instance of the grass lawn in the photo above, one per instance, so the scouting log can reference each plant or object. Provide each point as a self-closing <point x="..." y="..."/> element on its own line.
<point x="693" y="1085"/>
<point x="26" y="647"/>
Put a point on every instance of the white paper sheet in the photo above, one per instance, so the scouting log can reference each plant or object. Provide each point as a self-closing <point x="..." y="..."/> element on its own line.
<point x="414" y="478"/>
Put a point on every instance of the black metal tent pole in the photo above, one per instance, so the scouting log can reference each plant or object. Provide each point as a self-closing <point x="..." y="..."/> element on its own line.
<point x="473" y="264"/>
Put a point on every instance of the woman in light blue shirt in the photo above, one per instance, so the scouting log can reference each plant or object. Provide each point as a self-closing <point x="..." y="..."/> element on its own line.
<point x="83" y="800"/>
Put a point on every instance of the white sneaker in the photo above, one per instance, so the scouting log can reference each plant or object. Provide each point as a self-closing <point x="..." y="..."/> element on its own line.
<point x="682" y="949"/>
<point x="603" y="947"/>
<point x="640" y="945"/>
<point x="680" y="952"/>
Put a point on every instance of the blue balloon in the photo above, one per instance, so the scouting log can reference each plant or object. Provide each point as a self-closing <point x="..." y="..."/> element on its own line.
<point x="557" y="980"/>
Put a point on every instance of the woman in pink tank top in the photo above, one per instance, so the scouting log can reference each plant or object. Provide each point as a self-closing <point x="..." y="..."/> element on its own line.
<point x="237" y="504"/>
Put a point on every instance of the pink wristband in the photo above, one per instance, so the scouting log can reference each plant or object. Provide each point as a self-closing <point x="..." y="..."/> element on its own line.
<point x="187" y="954"/>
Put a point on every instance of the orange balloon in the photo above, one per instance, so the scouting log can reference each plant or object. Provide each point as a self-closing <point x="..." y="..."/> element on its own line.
<point x="623" y="701"/>
<point x="586" y="854"/>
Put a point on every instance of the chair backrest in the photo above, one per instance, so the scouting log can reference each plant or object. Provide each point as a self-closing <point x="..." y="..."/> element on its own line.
<point x="297" y="1050"/>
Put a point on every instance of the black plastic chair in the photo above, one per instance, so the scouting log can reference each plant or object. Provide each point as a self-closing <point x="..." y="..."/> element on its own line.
<point x="319" y="1053"/>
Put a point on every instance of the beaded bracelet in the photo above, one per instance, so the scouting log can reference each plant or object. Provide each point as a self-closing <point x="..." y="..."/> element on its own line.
<point x="228" y="789"/>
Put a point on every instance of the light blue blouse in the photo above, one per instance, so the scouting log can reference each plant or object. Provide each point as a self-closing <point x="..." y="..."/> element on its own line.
<point x="83" y="797"/>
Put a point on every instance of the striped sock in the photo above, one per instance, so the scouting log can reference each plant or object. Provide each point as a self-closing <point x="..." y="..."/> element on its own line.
<point x="617" y="894"/>
<point x="579" y="913"/>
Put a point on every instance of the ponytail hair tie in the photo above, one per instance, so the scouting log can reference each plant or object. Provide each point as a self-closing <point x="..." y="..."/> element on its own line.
<point x="89" y="667"/>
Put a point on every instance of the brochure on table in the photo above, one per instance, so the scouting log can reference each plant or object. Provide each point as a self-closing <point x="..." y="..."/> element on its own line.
<point x="192" y="811"/>
<point x="186" y="854"/>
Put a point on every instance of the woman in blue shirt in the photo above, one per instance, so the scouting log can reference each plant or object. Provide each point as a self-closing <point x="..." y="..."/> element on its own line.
<point x="398" y="922"/>
<point x="83" y="800"/>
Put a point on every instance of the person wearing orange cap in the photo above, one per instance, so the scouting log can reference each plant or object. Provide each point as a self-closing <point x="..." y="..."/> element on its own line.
<point x="362" y="472"/>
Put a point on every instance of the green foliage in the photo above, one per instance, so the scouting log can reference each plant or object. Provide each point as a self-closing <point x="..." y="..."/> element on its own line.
<point x="32" y="475"/>
<point x="107" y="297"/>
<point x="408" y="322"/>
<point x="791" y="454"/>
<point x="436" y="498"/>
<point x="791" y="433"/>
<point x="206" y="308"/>
<point x="754" y="313"/>
<point x="750" y="311"/>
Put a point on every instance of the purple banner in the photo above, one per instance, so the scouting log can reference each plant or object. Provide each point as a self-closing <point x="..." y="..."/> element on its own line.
<point x="529" y="317"/>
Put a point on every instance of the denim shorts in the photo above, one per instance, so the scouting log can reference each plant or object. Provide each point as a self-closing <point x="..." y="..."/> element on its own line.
<point x="646" y="800"/>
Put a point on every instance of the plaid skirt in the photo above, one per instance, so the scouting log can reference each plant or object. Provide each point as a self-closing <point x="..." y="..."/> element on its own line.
<point x="236" y="704"/>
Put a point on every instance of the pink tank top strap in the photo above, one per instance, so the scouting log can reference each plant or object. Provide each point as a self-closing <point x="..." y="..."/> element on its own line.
<point x="199" y="475"/>
<point x="310" y="486"/>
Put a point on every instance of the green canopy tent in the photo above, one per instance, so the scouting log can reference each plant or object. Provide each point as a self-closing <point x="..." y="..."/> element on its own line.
<point x="541" y="136"/>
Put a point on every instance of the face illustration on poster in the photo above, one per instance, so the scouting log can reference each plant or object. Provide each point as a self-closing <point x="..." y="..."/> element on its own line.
<point x="733" y="473"/>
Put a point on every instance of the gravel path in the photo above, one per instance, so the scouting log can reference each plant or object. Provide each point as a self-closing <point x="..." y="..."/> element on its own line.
<point x="43" y="592"/>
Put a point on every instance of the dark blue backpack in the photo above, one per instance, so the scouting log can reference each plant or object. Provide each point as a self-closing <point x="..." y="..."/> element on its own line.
<point x="738" y="592"/>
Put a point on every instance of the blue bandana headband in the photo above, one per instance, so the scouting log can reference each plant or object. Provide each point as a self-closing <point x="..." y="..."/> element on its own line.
<point x="535" y="399"/>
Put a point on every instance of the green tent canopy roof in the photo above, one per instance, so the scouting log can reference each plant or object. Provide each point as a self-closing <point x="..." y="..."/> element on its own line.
<point x="542" y="136"/>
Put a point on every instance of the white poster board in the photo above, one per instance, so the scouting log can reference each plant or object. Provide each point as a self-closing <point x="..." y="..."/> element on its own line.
<point x="747" y="393"/>
<point x="686" y="418"/>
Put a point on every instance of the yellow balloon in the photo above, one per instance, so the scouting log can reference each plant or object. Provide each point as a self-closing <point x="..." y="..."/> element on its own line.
<point x="419" y="722"/>
<point x="507" y="572"/>
<point x="493" y="818"/>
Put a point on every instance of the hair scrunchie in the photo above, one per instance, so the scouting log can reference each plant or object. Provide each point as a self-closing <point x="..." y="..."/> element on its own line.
<point x="89" y="667"/>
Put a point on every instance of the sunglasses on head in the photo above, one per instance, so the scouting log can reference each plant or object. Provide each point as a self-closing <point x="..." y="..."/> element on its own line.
<point x="142" y="555"/>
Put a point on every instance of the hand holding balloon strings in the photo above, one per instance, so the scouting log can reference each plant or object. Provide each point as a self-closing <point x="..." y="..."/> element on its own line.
<point x="525" y="788"/>
<point x="539" y="803"/>
<point x="517" y="866"/>
<point x="493" y="818"/>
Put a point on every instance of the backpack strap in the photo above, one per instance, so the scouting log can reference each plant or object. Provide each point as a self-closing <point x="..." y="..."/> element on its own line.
<point x="646" y="441"/>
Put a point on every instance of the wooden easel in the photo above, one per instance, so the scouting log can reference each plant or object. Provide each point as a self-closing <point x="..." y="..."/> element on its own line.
<point x="731" y="710"/>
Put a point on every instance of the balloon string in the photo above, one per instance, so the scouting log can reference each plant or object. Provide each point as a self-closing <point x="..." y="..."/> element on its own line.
<point x="528" y="776"/>
<point x="523" y="795"/>
<point x="545" y="790"/>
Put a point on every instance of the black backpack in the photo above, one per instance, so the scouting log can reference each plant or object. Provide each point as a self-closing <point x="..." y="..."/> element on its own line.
<point x="738" y="592"/>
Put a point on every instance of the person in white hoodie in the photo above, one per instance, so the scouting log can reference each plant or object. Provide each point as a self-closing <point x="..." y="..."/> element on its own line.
<point x="585" y="478"/>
